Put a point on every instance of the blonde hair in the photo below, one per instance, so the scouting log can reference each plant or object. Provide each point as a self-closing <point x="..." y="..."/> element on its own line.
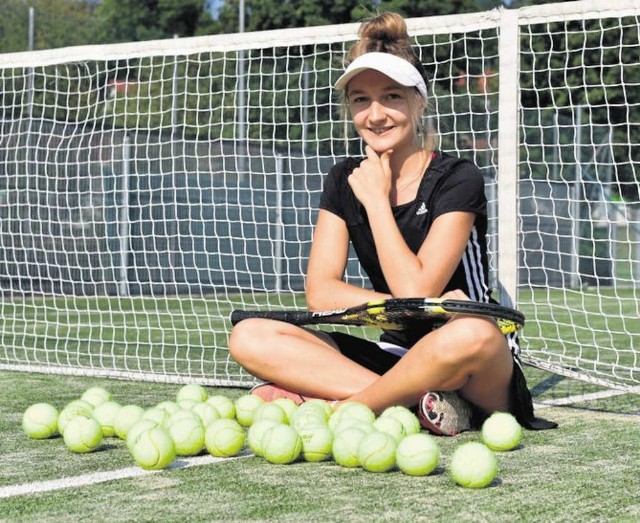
<point x="387" y="33"/>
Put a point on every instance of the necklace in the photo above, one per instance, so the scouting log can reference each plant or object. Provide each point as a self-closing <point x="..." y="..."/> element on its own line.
<point x="419" y="173"/>
<point x="406" y="192"/>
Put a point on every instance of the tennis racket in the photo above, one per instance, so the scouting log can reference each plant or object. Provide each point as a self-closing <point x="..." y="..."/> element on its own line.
<point x="394" y="313"/>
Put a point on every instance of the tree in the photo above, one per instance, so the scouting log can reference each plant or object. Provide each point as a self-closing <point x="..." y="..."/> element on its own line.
<point x="263" y="15"/>
<point x="58" y="23"/>
<point x="14" y="26"/>
<point x="416" y="8"/>
<point x="138" y="20"/>
<point x="277" y="14"/>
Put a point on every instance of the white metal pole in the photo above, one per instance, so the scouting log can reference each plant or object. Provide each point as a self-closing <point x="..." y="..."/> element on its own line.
<point x="241" y="138"/>
<point x="305" y="103"/>
<point x="574" y="202"/>
<point x="123" y="289"/>
<point x="279" y="225"/>
<point x="172" y="227"/>
<point x="508" y="176"/>
<point x="634" y="217"/>
<point x="30" y="83"/>
<point x="174" y="97"/>
<point x="32" y="29"/>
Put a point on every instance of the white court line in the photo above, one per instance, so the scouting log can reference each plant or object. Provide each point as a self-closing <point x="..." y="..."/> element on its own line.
<point x="579" y="398"/>
<point x="100" y="477"/>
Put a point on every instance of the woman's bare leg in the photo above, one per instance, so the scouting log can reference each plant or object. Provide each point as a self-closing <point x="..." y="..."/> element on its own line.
<point x="300" y="360"/>
<point x="467" y="354"/>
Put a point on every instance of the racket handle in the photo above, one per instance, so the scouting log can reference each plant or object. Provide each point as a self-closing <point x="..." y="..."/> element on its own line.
<point x="293" y="317"/>
<point x="237" y="316"/>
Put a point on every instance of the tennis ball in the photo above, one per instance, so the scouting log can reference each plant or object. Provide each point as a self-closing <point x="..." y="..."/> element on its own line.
<point x="418" y="454"/>
<point x="126" y="418"/>
<point x="288" y="406"/>
<point x="302" y="418"/>
<point x="193" y="392"/>
<point x="223" y="405"/>
<point x="160" y="416"/>
<point x="154" y="449"/>
<point x="409" y="420"/>
<point x="270" y="411"/>
<point x="256" y="432"/>
<point x="71" y="410"/>
<point x="170" y="406"/>
<point x="105" y="414"/>
<point x="501" y="431"/>
<point x="79" y="404"/>
<point x="83" y="434"/>
<point x="317" y="442"/>
<point x="312" y="407"/>
<point x="137" y="429"/>
<point x="96" y="395"/>
<point x="345" y="446"/>
<point x="377" y="452"/>
<point x="348" y="423"/>
<point x="245" y="408"/>
<point x="224" y="437"/>
<point x="473" y="465"/>
<point x="390" y="426"/>
<point x="352" y="410"/>
<point x="180" y="415"/>
<point x="40" y="421"/>
<point x="206" y="412"/>
<point x="322" y="405"/>
<point x="187" y="404"/>
<point x="188" y="436"/>
<point x="281" y="444"/>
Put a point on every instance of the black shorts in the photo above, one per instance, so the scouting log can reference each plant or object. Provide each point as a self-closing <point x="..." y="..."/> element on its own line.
<point x="371" y="356"/>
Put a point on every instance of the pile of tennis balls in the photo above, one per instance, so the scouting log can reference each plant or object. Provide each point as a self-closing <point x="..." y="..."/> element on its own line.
<point x="192" y="424"/>
<point x="280" y="431"/>
<point x="353" y="436"/>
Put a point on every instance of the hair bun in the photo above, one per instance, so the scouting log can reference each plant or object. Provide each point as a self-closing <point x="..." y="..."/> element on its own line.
<point x="387" y="28"/>
<point x="386" y="32"/>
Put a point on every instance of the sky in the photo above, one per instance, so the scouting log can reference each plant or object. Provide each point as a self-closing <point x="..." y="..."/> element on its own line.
<point x="213" y="6"/>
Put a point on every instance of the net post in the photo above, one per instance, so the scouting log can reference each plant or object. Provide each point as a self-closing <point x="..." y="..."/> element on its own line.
<point x="508" y="156"/>
<point x="279" y="225"/>
<point x="124" y="232"/>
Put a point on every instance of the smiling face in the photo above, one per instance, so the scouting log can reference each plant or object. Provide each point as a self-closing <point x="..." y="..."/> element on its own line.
<point x="384" y="113"/>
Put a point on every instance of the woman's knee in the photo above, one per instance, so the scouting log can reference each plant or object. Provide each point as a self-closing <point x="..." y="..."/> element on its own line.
<point x="486" y="340"/>
<point x="247" y="338"/>
<point x="470" y="341"/>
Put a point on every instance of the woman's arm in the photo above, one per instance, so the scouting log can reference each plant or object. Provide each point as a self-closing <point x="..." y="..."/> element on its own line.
<point x="325" y="288"/>
<point x="428" y="272"/>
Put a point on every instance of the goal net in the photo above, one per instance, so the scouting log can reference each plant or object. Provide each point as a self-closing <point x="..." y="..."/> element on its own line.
<point x="148" y="189"/>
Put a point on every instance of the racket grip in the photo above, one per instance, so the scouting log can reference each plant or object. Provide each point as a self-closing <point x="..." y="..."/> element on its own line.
<point x="238" y="315"/>
<point x="288" y="316"/>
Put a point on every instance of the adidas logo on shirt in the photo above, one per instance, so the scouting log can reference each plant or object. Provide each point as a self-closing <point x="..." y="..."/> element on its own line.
<point x="422" y="209"/>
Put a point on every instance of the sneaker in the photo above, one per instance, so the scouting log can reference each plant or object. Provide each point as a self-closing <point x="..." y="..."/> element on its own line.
<point x="444" y="413"/>
<point x="270" y="391"/>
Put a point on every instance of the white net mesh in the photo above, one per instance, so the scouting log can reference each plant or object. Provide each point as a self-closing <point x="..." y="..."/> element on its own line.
<point x="148" y="189"/>
<point x="579" y="213"/>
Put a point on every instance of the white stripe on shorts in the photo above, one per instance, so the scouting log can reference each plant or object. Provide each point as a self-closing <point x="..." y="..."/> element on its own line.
<point x="392" y="348"/>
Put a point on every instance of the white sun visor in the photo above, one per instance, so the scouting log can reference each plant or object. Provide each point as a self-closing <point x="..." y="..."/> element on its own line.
<point x="396" y="68"/>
